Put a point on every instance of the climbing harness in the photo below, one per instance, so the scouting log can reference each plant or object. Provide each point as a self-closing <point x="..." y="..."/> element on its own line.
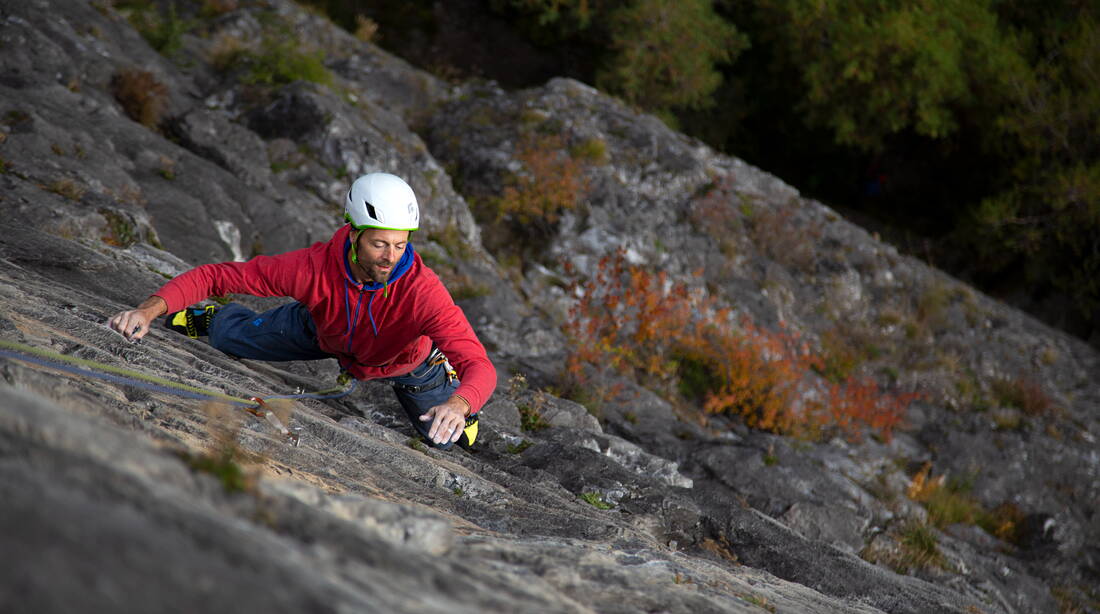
<point x="254" y="405"/>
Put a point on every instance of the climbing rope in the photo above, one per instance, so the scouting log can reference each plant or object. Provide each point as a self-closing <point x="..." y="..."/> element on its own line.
<point x="90" y="368"/>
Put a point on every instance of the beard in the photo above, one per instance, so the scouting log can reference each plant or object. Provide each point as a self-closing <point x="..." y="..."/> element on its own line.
<point x="375" y="272"/>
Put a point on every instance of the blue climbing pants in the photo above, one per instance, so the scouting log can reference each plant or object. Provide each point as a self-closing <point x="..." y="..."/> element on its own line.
<point x="287" y="332"/>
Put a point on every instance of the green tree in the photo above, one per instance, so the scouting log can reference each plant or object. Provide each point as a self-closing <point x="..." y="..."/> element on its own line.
<point x="1046" y="223"/>
<point x="553" y="11"/>
<point x="657" y="54"/>
<point x="873" y="68"/>
<point x="664" y="54"/>
<point x="1007" y="93"/>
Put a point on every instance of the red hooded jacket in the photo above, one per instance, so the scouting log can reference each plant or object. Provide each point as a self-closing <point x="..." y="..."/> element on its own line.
<point x="374" y="332"/>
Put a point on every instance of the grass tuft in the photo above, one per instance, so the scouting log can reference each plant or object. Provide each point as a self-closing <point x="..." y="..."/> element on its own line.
<point x="595" y="500"/>
<point x="143" y="98"/>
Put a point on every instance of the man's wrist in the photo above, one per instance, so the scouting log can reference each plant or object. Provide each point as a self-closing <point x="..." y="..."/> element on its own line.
<point x="155" y="306"/>
<point x="464" y="405"/>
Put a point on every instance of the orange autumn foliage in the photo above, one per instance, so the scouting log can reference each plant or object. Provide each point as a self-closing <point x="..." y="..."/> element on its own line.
<point x="549" y="183"/>
<point x="674" y="340"/>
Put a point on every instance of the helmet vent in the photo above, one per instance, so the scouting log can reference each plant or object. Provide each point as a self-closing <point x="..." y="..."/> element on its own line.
<point x="371" y="212"/>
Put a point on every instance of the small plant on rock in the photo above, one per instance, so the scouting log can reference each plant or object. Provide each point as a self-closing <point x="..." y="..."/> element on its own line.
<point x="919" y="548"/>
<point x="365" y="28"/>
<point x="777" y="233"/>
<point x="281" y="60"/>
<point x="163" y="32"/>
<point x="950" y="502"/>
<point x="120" y="229"/>
<point x="225" y="458"/>
<point x="912" y="546"/>
<point x="142" y="96"/>
<point x="518" y="448"/>
<point x="531" y="419"/>
<point x="1023" y="393"/>
<point x="68" y="188"/>
<point x="714" y="214"/>
<point x="595" y="500"/>
<point x="278" y="58"/>
<point x="549" y="183"/>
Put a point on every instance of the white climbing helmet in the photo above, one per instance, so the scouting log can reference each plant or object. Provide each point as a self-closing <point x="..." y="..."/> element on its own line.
<point x="382" y="200"/>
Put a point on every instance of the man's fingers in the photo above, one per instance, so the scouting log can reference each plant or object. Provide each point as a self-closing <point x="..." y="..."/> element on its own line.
<point x="139" y="332"/>
<point x="443" y="430"/>
<point x="130" y="325"/>
<point x="445" y="426"/>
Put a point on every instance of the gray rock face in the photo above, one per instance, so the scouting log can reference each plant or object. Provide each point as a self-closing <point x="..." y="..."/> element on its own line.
<point x="119" y="498"/>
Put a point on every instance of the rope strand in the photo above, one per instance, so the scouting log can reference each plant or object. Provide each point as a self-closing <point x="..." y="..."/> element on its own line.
<point x="136" y="379"/>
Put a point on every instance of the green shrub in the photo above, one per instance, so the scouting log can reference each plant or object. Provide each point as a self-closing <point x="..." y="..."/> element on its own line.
<point x="281" y="60"/>
<point x="222" y="464"/>
<point x="595" y="500"/>
<point x="915" y="548"/>
<point x="163" y="32"/>
<point x="593" y="150"/>
<point x="1023" y="393"/>
<point x="919" y="548"/>
<point x="519" y="447"/>
<point x="531" y="419"/>
<point x="120" y="229"/>
<point x="278" y="58"/>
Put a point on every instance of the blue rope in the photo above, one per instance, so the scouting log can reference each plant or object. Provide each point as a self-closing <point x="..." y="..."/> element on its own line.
<point x="181" y="390"/>
<point x="118" y="379"/>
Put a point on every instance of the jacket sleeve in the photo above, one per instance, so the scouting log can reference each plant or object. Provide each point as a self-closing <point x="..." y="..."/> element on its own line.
<point x="451" y="332"/>
<point x="262" y="276"/>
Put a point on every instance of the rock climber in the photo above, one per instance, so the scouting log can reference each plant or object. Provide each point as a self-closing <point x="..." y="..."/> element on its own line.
<point x="364" y="297"/>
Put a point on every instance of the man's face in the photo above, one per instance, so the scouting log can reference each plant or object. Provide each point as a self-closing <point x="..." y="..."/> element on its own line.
<point x="379" y="250"/>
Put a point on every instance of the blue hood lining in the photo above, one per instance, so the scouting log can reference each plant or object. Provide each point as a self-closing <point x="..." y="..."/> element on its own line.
<point x="403" y="265"/>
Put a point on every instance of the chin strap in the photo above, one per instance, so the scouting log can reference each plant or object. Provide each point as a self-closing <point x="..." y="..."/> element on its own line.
<point x="355" y="247"/>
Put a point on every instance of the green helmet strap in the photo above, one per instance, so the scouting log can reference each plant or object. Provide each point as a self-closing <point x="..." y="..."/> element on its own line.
<point x="355" y="247"/>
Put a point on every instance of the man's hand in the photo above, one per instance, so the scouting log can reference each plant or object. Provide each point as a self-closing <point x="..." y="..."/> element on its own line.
<point x="448" y="420"/>
<point x="133" y="324"/>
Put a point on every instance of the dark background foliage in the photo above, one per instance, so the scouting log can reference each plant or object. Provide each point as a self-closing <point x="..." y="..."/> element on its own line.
<point x="965" y="132"/>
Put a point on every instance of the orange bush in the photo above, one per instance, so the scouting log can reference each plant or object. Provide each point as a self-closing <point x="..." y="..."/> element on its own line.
<point x="859" y="404"/>
<point x="634" y="322"/>
<point x="761" y="373"/>
<point x="629" y="320"/>
<point x="551" y="182"/>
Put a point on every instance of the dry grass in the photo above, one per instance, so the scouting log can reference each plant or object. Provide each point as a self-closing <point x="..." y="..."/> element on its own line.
<point x="143" y="98"/>
<point x="68" y="188"/>
<point x="1022" y="392"/>
<point x="365" y="28"/>
<point x="777" y="233"/>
